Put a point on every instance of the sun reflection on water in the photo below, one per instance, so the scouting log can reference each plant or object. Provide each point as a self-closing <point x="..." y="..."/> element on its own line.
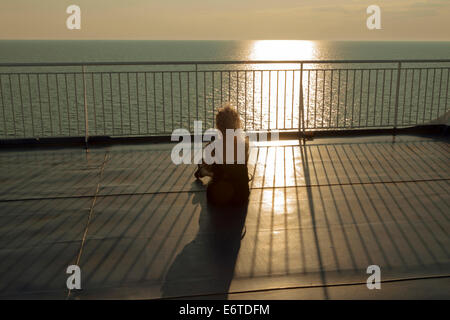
<point x="279" y="82"/>
<point x="283" y="50"/>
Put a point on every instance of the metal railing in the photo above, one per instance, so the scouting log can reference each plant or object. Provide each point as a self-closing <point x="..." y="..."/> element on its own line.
<point x="154" y="98"/>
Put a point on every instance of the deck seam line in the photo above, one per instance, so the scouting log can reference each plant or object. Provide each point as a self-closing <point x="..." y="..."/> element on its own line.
<point x="91" y="211"/>
<point x="344" y="284"/>
<point x="204" y="190"/>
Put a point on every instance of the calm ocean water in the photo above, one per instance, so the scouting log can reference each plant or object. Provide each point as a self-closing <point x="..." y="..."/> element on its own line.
<point x="142" y="100"/>
<point x="83" y="51"/>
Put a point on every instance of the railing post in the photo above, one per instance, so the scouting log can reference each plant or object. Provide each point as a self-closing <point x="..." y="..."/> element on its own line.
<point x="196" y="92"/>
<point x="86" y="122"/>
<point x="397" y="97"/>
<point x="301" y="126"/>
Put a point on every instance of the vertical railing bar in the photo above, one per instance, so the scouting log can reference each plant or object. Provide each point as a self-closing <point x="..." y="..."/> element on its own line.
<point x="76" y="102"/>
<point x="323" y="97"/>
<point x="439" y="97"/>
<point x="368" y="97"/>
<point x="270" y="80"/>
<point x="307" y="103"/>
<point x="229" y="86"/>
<point x="171" y="98"/>
<point x="397" y="95"/>
<point x="382" y="97"/>
<point x="300" y="103"/>
<point x="59" y="106"/>
<point x="21" y="104"/>
<point x="411" y="96"/>
<point x="361" y="98"/>
<point x="418" y="96"/>
<point x="425" y="97"/>
<point x="49" y="106"/>
<point x="237" y="91"/>
<point x="121" y="104"/>
<point x="245" y="100"/>
<point x="353" y="98"/>
<point x="213" y="89"/>
<point x="163" y="100"/>
<point x="315" y="101"/>
<point x="67" y="104"/>
<point x="390" y="96"/>
<point x="331" y="97"/>
<point x="129" y="103"/>
<point x="40" y="103"/>
<point x="181" y="99"/>
<point x="12" y="104"/>
<point x="276" y="104"/>
<point x="189" y="98"/>
<point x="404" y="97"/>
<point x="180" y="103"/>
<point x="103" y="103"/>
<point x="376" y="96"/>
<point x="221" y="88"/>
<point x="345" y="102"/>
<point x="204" y="95"/>
<point x="112" y="104"/>
<point x="260" y="114"/>
<point x="253" y="98"/>
<point x="446" y="94"/>
<point x="154" y="101"/>
<point x="284" y="106"/>
<point x="338" y="98"/>
<point x="86" y="122"/>
<point x="146" y="102"/>
<point x="94" y="105"/>
<point x="137" y="102"/>
<point x="3" y="108"/>
<point x="432" y="94"/>
<point x="196" y="91"/>
<point x="292" y="99"/>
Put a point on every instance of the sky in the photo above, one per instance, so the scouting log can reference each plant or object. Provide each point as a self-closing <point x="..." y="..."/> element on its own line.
<point x="226" y="19"/>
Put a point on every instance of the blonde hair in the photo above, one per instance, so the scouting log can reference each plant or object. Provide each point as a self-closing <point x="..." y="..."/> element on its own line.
<point x="227" y="118"/>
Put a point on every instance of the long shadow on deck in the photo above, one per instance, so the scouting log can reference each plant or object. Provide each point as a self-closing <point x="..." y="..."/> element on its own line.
<point x="206" y="265"/>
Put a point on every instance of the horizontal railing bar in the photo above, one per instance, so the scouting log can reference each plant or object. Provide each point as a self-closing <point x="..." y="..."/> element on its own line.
<point x="356" y="69"/>
<point x="287" y="70"/>
<point x="215" y="70"/>
<point x="123" y="63"/>
<point x="349" y="127"/>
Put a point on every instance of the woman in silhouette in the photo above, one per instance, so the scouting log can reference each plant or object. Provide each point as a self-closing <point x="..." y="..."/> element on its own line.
<point x="229" y="181"/>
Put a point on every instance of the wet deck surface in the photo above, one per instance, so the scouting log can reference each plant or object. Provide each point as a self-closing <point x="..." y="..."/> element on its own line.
<point x="318" y="216"/>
